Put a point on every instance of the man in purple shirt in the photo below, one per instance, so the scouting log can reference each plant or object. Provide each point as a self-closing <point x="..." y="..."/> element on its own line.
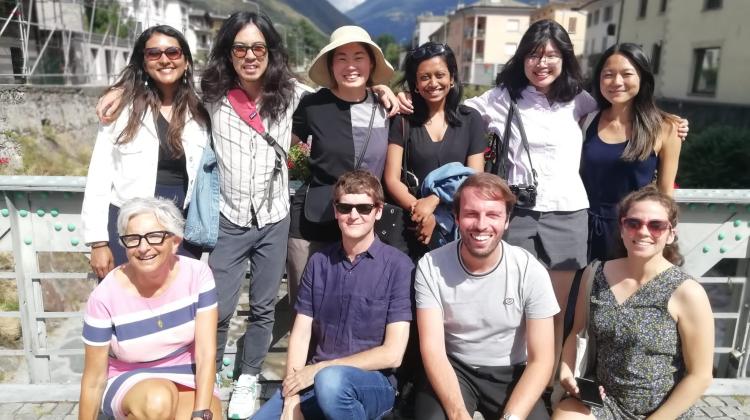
<point x="353" y="314"/>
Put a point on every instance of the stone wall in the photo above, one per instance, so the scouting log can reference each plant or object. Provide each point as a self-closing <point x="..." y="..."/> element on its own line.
<point x="46" y="113"/>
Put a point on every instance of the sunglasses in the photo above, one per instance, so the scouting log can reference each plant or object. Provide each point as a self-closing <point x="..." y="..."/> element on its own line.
<point x="363" y="209"/>
<point x="152" y="238"/>
<point x="172" y="53"/>
<point x="655" y="227"/>
<point x="259" y="50"/>
<point x="428" y="50"/>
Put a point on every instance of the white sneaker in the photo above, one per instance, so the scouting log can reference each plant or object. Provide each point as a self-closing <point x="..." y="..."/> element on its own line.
<point x="242" y="402"/>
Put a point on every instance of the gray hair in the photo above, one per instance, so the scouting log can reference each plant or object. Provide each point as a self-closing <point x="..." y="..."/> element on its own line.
<point x="163" y="209"/>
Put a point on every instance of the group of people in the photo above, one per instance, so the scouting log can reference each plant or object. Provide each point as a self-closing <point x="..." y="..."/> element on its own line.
<point x="478" y="292"/>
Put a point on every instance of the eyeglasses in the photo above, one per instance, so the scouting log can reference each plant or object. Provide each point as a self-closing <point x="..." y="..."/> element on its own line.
<point x="655" y="227"/>
<point x="548" y="59"/>
<point x="153" y="54"/>
<point x="152" y="238"/>
<point x="346" y="208"/>
<point x="427" y="50"/>
<point x="259" y="50"/>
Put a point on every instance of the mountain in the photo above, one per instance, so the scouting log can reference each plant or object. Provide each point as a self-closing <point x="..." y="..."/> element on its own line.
<point x="398" y="17"/>
<point x="320" y="13"/>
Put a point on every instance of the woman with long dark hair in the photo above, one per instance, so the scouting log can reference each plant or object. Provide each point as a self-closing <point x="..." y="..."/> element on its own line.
<point x="154" y="146"/>
<point x="651" y="323"/>
<point x="627" y="144"/>
<point x="439" y="131"/>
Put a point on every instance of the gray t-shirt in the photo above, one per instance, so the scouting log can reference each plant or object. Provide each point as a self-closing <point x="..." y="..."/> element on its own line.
<point x="483" y="316"/>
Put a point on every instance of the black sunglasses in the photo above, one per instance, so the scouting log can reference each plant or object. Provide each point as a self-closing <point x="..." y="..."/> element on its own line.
<point x="152" y="238"/>
<point x="346" y="208"/>
<point x="259" y="50"/>
<point x="153" y="54"/>
<point x="427" y="50"/>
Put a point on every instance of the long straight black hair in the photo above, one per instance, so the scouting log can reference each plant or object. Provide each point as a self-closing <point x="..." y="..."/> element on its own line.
<point x="143" y="96"/>
<point x="648" y="119"/>
<point x="409" y="81"/>
<point x="567" y="85"/>
<point x="277" y="82"/>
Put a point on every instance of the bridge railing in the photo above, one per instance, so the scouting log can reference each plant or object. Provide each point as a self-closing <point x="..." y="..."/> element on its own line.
<point x="40" y="216"/>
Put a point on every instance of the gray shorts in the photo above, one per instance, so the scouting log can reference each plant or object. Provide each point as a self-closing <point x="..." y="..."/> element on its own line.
<point x="557" y="238"/>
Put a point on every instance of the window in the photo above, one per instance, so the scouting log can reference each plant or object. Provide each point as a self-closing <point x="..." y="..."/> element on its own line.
<point x="662" y="6"/>
<point x="572" y="25"/>
<point x="604" y="43"/>
<point x="712" y="4"/>
<point x="705" y="74"/>
<point x="642" y="7"/>
<point x="588" y="20"/>
<point x="510" y="48"/>
<point x="596" y="17"/>
<point x="514" y="25"/>
<point x="656" y="58"/>
<point x="607" y="14"/>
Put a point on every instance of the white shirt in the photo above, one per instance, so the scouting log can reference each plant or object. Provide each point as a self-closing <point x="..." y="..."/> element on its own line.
<point x="246" y="163"/>
<point x="554" y="143"/>
<point x="119" y="172"/>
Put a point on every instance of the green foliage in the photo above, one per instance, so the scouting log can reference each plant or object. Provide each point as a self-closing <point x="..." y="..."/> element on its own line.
<point x="303" y="41"/>
<point x="297" y="163"/>
<point x="717" y="157"/>
<point x="42" y="154"/>
<point x="390" y="47"/>
<point x="471" y="91"/>
<point x="105" y="18"/>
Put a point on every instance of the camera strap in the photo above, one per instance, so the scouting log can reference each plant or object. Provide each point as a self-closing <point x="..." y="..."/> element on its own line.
<point x="514" y="112"/>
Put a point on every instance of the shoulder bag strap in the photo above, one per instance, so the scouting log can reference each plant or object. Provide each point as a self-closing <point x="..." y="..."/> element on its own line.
<point x="504" y="143"/>
<point x="369" y="132"/>
<point x="524" y="140"/>
<point x="588" y="283"/>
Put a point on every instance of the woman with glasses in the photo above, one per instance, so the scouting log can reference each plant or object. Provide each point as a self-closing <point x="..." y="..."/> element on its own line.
<point x="348" y="128"/>
<point x="651" y="323"/>
<point x="627" y="144"/>
<point x="152" y="149"/>
<point x="439" y="131"/>
<point x="150" y="326"/>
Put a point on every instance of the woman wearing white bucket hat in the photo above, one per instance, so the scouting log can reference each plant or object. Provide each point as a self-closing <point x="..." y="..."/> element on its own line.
<point x="349" y="129"/>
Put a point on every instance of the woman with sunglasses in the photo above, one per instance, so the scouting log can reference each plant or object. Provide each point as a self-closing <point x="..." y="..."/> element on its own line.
<point x="627" y="144"/>
<point x="651" y="323"/>
<point x="152" y="149"/>
<point x="150" y="326"/>
<point x="348" y="128"/>
<point x="439" y="131"/>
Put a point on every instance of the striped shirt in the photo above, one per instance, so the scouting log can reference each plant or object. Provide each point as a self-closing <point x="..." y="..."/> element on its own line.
<point x="153" y="332"/>
<point x="246" y="164"/>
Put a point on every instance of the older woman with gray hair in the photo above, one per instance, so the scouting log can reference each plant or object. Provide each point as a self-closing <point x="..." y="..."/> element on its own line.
<point x="150" y="326"/>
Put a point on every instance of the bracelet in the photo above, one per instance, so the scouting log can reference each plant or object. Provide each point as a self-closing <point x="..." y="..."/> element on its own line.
<point x="100" y="244"/>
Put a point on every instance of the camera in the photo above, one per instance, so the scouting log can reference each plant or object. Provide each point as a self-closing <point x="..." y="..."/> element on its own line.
<point x="525" y="195"/>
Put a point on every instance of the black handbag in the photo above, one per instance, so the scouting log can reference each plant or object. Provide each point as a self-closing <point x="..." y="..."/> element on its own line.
<point x="319" y="199"/>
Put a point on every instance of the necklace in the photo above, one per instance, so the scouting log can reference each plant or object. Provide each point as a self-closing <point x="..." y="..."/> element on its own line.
<point x="159" y="322"/>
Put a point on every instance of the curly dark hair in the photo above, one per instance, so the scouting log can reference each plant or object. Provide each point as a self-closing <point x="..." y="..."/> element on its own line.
<point x="570" y="81"/>
<point x="142" y="96"/>
<point x="219" y="76"/>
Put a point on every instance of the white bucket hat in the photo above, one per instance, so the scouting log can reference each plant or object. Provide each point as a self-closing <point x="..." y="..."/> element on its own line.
<point x="381" y="73"/>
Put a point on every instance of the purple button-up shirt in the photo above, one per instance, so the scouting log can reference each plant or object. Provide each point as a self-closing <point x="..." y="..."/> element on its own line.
<point x="352" y="302"/>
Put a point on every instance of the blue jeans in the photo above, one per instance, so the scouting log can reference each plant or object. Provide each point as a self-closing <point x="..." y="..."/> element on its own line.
<point x="340" y="393"/>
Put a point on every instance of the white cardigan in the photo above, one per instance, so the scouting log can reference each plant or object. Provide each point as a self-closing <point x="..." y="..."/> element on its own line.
<point x="119" y="172"/>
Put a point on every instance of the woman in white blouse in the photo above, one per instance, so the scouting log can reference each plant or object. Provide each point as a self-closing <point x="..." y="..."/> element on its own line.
<point x="152" y="149"/>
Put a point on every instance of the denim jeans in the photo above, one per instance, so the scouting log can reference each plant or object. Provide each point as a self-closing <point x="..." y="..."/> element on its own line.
<point x="340" y="393"/>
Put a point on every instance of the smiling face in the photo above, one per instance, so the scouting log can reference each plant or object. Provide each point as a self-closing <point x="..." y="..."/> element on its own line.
<point x="147" y="258"/>
<point x="543" y="66"/>
<point x="354" y="225"/>
<point x="644" y="239"/>
<point x="250" y="69"/>
<point x="351" y="67"/>
<point x="482" y="222"/>
<point x="619" y="80"/>
<point x="164" y="71"/>
<point x="434" y="80"/>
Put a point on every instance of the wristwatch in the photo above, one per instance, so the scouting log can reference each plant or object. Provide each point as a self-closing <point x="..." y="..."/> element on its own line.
<point x="202" y="414"/>
<point x="508" y="416"/>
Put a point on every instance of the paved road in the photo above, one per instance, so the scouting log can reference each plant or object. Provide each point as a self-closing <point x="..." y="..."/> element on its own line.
<point x="720" y="408"/>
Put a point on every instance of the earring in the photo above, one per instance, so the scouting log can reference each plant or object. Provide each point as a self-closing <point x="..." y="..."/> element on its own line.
<point x="452" y="84"/>
<point x="145" y="83"/>
<point x="184" y="78"/>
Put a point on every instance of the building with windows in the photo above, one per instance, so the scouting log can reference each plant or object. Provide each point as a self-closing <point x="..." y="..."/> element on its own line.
<point x="602" y="18"/>
<point x="426" y="25"/>
<point x="484" y="36"/>
<point x="567" y="14"/>
<point x="698" y="48"/>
